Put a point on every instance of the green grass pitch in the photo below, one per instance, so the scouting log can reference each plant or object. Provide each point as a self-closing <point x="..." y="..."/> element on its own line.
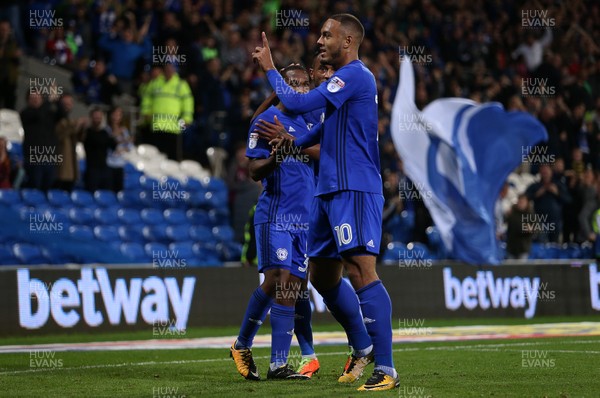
<point x="545" y="367"/>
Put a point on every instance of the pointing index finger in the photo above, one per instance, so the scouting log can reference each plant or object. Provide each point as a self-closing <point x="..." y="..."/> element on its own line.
<point x="264" y="40"/>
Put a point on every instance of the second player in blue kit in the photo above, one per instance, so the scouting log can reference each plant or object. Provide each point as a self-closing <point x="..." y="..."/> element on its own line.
<point x="281" y="225"/>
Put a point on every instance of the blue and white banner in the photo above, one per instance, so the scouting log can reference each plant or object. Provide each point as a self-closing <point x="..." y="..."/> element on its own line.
<point x="459" y="153"/>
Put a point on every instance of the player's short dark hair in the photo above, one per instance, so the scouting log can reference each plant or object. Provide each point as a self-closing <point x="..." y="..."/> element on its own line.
<point x="352" y="23"/>
<point x="292" y="67"/>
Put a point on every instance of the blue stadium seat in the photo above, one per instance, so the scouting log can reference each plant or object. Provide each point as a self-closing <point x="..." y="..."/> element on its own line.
<point x="401" y="226"/>
<point x="59" y="198"/>
<point x="132" y="233"/>
<point x="82" y="216"/>
<point x="178" y="232"/>
<point x="106" y="233"/>
<point x="201" y="233"/>
<point x="198" y="217"/>
<point x="106" y="216"/>
<point x="214" y="201"/>
<point x="194" y="185"/>
<point x="435" y="242"/>
<point x="9" y="197"/>
<point x="152" y="216"/>
<point x="7" y="257"/>
<point x="134" y="252"/>
<point x="33" y="197"/>
<point x="219" y="216"/>
<point x="83" y="198"/>
<point x="129" y="199"/>
<point x="155" y="249"/>
<point x="184" y="250"/>
<point x="148" y="183"/>
<point x="216" y="184"/>
<point x="537" y="251"/>
<point x="552" y="250"/>
<point x="208" y="255"/>
<point x="105" y="198"/>
<point x="587" y="250"/>
<point x="146" y="199"/>
<point x="175" y="216"/>
<point x="573" y="250"/>
<point x="224" y="233"/>
<point x="230" y="251"/>
<point x="129" y="216"/>
<point x="391" y="255"/>
<point x="81" y="232"/>
<point x="156" y="233"/>
<point x="28" y="254"/>
<point x="57" y="257"/>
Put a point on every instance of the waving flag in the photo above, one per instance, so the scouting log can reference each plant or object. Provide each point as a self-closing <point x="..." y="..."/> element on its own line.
<point x="459" y="153"/>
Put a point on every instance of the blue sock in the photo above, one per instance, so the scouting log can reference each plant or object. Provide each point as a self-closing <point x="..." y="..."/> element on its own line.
<point x="377" y="309"/>
<point x="255" y="316"/>
<point x="344" y="306"/>
<point x="282" y="330"/>
<point x="302" y="326"/>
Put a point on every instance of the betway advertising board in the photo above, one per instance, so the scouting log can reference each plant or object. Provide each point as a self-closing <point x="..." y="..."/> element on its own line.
<point x="49" y="300"/>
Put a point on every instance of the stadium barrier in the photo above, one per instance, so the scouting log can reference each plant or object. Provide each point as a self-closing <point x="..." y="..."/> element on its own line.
<point x="43" y="300"/>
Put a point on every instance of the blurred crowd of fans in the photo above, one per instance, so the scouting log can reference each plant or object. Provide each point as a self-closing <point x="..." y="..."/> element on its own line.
<point x="537" y="56"/>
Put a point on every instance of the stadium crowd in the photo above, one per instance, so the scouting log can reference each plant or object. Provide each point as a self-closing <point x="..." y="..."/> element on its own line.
<point x="537" y="56"/>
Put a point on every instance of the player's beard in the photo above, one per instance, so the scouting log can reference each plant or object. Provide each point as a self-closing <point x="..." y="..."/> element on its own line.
<point x="333" y="58"/>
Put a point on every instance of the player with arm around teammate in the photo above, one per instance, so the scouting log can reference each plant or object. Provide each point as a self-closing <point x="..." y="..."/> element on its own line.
<point x="281" y="226"/>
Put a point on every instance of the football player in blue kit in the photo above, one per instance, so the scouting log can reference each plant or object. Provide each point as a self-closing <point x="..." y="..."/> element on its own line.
<point x="345" y="223"/>
<point x="281" y="226"/>
<point x="271" y="130"/>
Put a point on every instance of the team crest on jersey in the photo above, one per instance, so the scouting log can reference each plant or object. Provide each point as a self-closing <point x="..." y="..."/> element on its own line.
<point x="282" y="254"/>
<point x="253" y="140"/>
<point x="335" y="84"/>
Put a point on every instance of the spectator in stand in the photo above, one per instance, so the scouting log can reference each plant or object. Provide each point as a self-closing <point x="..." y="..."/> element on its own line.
<point x="57" y="48"/>
<point x="10" y="55"/>
<point x="589" y="199"/>
<point x="119" y="132"/>
<point x="243" y="191"/>
<point x="168" y="107"/>
<point x="549" y="196"/>
<point x="39" y="119"/>
<point x="97" y="143"/>
<point x="519" y="229"/>
<point x="68" y="132"/>
<point x="5" y="167"/>
<point x="533" y="50"/>
<point x="101" y="87"/>
<point x="125" y="53"/>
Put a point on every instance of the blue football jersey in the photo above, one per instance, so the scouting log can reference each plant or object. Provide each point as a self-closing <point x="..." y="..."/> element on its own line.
<point x="289" y="189"/>
<point x="313" y="119"/>
<point x="349" y="142"/>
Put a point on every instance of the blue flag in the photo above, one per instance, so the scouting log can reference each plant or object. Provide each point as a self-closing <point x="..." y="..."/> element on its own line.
<point x="458" y="153"/>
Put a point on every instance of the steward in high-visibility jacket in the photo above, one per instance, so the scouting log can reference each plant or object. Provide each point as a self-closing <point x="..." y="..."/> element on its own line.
<point x="168" y="106"/>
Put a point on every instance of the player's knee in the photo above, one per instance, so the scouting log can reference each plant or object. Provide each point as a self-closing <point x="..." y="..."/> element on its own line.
<point x="272" y="280"/>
